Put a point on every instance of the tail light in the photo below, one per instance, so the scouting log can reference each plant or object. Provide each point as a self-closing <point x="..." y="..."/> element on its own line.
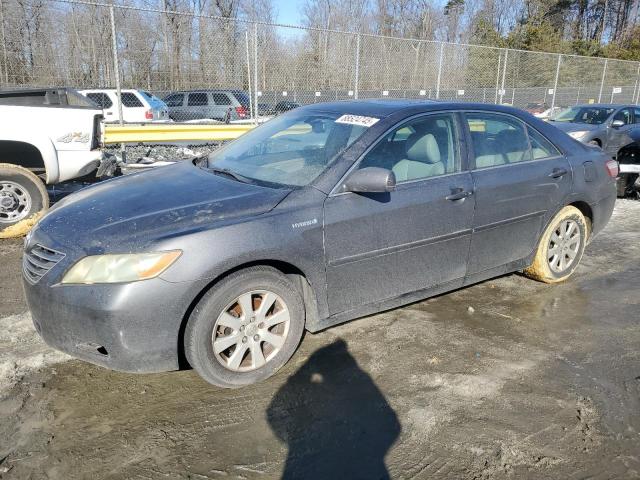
<point x="148" y="114"/>
<point x="241" y="111"/>
<point x="613" y="169"/>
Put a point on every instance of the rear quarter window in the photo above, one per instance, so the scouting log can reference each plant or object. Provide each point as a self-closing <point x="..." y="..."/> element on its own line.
<point x="130" y="100"/>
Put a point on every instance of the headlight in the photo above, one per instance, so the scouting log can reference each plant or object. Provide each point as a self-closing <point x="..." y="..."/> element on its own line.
<point x="129" y="267"/>
<point x="578" y="135"/>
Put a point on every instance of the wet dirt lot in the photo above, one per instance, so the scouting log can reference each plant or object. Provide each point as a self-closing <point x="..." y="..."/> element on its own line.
<point x="506" y="379"/>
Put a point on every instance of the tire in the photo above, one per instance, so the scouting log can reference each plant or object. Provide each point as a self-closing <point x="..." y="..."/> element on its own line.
<point x="546" y="268"/>
<point x="22" y="194"/>
<point x="219" y="315"/>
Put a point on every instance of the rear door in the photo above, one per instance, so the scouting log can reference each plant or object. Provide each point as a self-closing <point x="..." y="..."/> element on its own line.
<point x="384" y="245"/>
<point x="520" y="178"/>
<point x="197" y="106"/>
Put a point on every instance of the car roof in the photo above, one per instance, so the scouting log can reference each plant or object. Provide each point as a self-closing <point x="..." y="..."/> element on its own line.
<point x="383" y="108"/>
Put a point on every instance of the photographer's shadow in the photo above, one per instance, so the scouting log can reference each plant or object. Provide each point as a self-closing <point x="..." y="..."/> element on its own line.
<point x="334" y="420"/>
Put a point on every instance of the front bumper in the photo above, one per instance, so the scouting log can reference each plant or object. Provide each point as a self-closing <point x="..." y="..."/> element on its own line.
<point x="131" y="327"/>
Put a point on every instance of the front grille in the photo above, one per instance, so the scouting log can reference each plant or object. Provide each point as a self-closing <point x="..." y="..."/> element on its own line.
<point x="38" y="261"/>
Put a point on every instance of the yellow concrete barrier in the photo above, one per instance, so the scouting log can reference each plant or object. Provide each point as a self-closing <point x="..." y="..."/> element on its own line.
<point x="172" y="132"/>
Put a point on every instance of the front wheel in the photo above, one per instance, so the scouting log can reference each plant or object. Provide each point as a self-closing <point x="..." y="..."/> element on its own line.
<point x="560" y="248"/>
<point x="245" y="328"/>
<point x="22" y="194"/>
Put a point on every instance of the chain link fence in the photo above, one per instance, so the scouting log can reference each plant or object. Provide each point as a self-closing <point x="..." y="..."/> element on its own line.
<point x="215" y="68"/>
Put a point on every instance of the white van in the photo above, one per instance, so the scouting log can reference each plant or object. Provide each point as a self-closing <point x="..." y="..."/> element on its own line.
<point x="138" y="106"/>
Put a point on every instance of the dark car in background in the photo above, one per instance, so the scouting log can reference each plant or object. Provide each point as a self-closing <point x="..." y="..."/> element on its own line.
<point x="324" y="214"/>
<point x="220" y="105"/>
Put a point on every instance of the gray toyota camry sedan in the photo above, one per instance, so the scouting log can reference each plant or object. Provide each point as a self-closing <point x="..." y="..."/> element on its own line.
<point x="324" y="214"/>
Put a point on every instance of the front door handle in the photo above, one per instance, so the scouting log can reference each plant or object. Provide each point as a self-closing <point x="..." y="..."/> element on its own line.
<point x="558" y="172"/>
<point x="458" y="194"/>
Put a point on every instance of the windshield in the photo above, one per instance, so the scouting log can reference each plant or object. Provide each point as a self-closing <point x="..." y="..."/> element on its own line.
<point x="590" y="115"/>
<point x="292" y="149"/>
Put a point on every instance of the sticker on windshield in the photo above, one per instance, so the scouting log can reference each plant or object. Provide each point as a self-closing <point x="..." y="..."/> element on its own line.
<point x="357" y="120"/>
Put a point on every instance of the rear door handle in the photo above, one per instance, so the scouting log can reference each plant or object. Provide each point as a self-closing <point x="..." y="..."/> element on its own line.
<point x="458" y="194"/>
<point x="558" y="172"/>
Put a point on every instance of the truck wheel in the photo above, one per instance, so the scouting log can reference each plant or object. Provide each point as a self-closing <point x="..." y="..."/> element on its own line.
<point x="560" y="248"/>
<point x="245" y="328"/>
<point x="22" y="194"/>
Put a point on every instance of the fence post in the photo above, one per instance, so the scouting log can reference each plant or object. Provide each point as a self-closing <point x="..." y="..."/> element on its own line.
<point x="555" y="83"/>
<point x="504" y="74"/>
<point x="356" y="80"/>
<point x="116" y="72"/>
<point x="439" y="70"/>
<point x="246" y="39"/>
<point x="604" y="74"/>
<point x="498" y="77"/>
<point x="255" y="70"/>
<point x="4" y="46"/>
<point x="636" y="89"/>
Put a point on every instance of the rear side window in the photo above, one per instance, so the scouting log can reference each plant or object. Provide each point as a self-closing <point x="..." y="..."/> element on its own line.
<point x="174" y="100"/>
<point x="130" y="100"/>
<point x="540" y="146"/>
<point x="636" y="115"/>
<point x="497" y="139"/>
<point x="197" y="99"/>
<point x="221" y="99"/>
<point x="100" y="99"/>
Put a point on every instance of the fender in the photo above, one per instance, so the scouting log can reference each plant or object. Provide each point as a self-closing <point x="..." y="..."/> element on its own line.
<point x="42" y="143"/>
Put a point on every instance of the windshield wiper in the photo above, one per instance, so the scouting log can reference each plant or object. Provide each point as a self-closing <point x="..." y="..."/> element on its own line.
<point x="229" y="173"/>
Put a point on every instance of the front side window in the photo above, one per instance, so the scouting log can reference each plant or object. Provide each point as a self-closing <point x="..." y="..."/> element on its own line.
<point x="497" y="139"/>
<point x="624" y="115"/>
<point x="290" y="150"/>
<point x="174" y="100"/>
<point x="421" y="148"/>
<point x="130" y="100"/>
<point x="636" y="115"/>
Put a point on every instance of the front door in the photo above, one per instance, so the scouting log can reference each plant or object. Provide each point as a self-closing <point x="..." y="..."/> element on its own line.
<point x="618" y="136"/>
<point x="380" y="246"/>
<point x="520" y="178"/>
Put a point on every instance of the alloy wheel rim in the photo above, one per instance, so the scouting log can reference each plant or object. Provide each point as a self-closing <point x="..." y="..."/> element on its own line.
<point x="15" y="202"/>
<point x="564" y="245"/>
<point x="250" y="331"/>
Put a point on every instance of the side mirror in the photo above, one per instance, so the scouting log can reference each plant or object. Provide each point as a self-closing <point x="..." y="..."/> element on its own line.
<point x="617" y="123"/>
<point x="370" y="180"/>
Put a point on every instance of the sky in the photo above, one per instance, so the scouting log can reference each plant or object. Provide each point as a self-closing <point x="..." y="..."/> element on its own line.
<point x="288" y="11"/>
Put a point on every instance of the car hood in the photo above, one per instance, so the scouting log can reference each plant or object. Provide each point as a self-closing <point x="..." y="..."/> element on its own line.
<point x="575" y="127"/>
<point x="131" y="212"/>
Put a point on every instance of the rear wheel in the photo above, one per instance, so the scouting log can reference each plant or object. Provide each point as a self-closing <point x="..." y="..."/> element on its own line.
<point x="245" y="328"/>
<point x="22" y="194"/>
<point x="560" y="248"/>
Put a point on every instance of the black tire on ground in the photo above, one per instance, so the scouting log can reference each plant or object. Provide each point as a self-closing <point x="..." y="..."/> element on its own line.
<point x="541" y="269"/>
<point x="199" y="332"/>
<point x="22" y="194"/>
<point x="624" y="182"/>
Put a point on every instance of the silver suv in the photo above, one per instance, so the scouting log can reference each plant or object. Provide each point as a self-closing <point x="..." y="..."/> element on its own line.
<point x="222" y="105"/>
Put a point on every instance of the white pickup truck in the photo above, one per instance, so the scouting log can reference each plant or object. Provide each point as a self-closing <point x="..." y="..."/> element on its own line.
<point x="47" y="136"/>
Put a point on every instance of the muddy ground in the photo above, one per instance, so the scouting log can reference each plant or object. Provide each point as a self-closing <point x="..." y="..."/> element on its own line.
<point x="506" y="379"/>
